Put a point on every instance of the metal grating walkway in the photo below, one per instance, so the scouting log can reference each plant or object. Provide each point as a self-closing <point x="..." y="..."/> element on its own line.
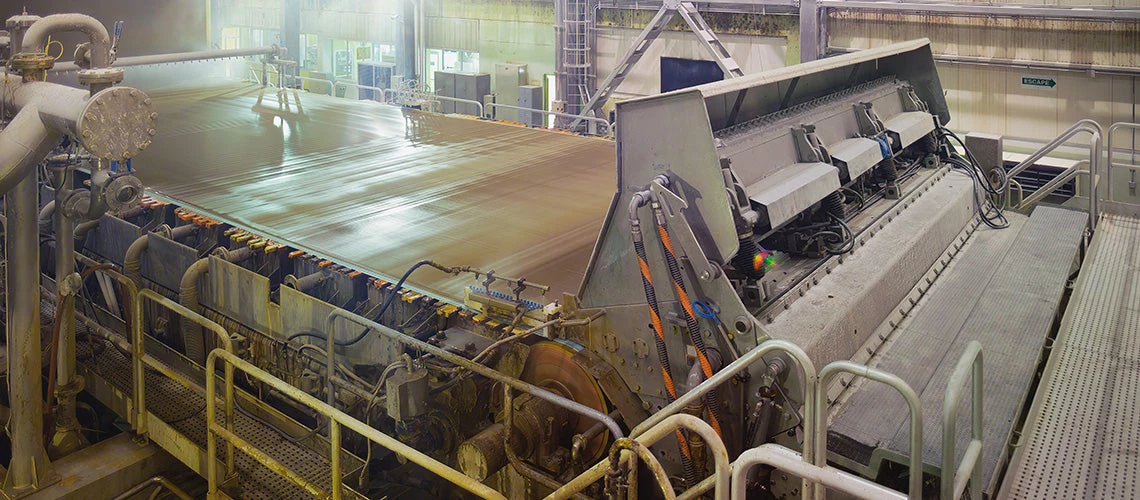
<point x="1004" y="290"/>
<point x="1082" y="436"/>
<point x="184" y="410"/>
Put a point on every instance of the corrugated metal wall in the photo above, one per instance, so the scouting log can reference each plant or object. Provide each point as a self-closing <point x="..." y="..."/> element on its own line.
<point x="992" y="98"/>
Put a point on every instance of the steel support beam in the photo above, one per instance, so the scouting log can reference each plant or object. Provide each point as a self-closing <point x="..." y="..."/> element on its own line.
<point x="809" y="30"/>
<point x="979" y="9"/>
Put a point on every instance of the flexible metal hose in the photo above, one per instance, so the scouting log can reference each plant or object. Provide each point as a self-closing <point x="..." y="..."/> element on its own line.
<point x="690" y="318"/>
<point x="659" y="333"/>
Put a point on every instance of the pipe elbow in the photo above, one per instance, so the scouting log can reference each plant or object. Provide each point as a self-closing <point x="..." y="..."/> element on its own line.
<point x="23" y="143"/>
<point x="35" y="39"/>
<point x="132" y="265"/>
<point x="189" y="284"/>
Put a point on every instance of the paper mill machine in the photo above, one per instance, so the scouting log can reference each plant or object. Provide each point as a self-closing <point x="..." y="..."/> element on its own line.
<point x="329" y="297"/>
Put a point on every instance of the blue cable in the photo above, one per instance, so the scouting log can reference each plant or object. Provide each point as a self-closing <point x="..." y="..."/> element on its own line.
<point x="704" y="311"/>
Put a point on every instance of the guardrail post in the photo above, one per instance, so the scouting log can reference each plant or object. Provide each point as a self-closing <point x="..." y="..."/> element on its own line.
<point x="954" y="481"/>
<point x="223" y="340"/>
<point x="912" y="401"/>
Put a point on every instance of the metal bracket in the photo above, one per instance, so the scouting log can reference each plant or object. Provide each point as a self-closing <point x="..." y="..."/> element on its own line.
<point x="808" y="145"/>
<point x="869" y="123"/>
<point x="683" y="232"/>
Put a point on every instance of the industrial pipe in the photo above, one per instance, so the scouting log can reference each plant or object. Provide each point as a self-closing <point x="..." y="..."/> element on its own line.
<point x="25" y="427"/>
<point x="67" y="436"/>
<point x="35" y="39"/>
<point x="23" y="144"/>
<point x="202" y="55"/>
<point x="192" y="341"/>
<point x="132" y="263"/>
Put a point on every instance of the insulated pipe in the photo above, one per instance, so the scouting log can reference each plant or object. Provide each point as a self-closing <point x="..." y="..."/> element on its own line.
<point x="66" y="435"/>
<point x="132" y="263"/>
<point x="192" y="341"/>
<point x="35" y="39"/>
<point x="23" y="144"/>
<point x="203" y="55"/>
<point x="25" y="427"/>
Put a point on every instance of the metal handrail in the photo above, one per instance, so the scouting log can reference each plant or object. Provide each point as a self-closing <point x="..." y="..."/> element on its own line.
<point x="1047" y="188"/>
<point x="954" y="481"/>
<point x="1096" y="133"/>
<point x="777" y="456"/>
<point x="572" y="406"/>
<point x="336" y="418"/>
<point x="896" y="383"/>
<point x="1108" y="140"/>
<point x="141" y="358"/>
<point x="330" y="83"/>
<point x="720" y="477"/>
<point x="807" y="371"/>
<point x="608" y="126"/>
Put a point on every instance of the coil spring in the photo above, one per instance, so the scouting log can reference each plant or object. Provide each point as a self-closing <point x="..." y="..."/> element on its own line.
<point x="832" y="204"/>
<point x="744" y="260"/>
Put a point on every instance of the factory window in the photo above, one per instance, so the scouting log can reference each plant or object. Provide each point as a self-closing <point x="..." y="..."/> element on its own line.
<point x="231" y="38"/>
<point x="452" y="60"/>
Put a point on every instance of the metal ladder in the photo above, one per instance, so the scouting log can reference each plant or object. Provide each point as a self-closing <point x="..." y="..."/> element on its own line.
<point x="577" y="53"/>
<point x="645" y="39"/>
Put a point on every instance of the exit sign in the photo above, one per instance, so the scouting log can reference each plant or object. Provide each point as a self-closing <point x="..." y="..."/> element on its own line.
<point x="1038" y="82"/>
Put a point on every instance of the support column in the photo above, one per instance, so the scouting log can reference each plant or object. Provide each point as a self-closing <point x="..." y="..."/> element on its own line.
<point x="291" y="29"/>
<point x="29" y="464"/>
<point x="406" y="43"/>
<point x="809" y="30"/>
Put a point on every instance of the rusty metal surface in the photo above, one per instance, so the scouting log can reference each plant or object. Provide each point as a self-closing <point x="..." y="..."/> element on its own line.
<point x="378" y="188"/>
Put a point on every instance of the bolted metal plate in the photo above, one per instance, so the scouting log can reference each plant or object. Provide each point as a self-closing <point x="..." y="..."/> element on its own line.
<point x="118" y="123"/>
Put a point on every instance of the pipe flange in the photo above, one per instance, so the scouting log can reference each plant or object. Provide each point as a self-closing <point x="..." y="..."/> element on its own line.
<point x="118" y="123"/>
<point x="102" y="76"/>
<point x="21" y="22"/>
<point x="31" y="61"/>
<point x="123" y="193"/>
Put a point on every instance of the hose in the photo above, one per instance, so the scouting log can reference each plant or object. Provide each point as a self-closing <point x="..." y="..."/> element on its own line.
<point x="694" y="330"/>
<point x="391" y="298"/>
<point x="658" y="330"/>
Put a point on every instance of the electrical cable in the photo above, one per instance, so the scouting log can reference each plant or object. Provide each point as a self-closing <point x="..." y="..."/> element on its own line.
<point x="989" y="212"/>
<point x="384" y="308"/>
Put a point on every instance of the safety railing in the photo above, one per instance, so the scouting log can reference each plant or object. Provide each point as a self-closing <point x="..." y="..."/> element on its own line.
<point x="954" y="481"/>
<point x="781" y="458"/>
<point x="337" y="421"/>
<point x="893" y="381"/>
<point x="808" y="379"/>
<point x="1084" y="126"/>
<point x="605" y="128"/>
<point x="719" y="481"/>
<point x="330" y="83"/>
<point x="142" y="360"/>
<point x="1108" y="171"/>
